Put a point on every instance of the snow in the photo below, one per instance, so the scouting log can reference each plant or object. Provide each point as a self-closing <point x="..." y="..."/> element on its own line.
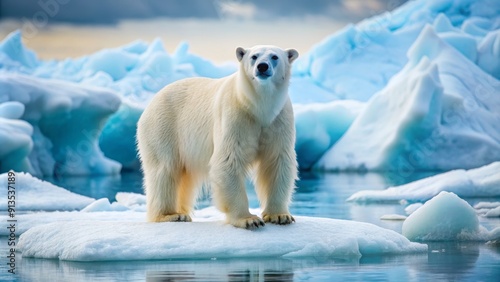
<point x="479" y="182"/>
<point x="413" y="89"/>
<point x="309" y="237"/>
<point x="33" y="194"/>
<point x="446" y="217"/>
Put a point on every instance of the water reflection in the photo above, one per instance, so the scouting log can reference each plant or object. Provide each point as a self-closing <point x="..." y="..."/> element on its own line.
<point x="100" y="186"/>
<point x="445" y="255"/>
<point x="271" y="270"/>
<point x="454" y="262"/>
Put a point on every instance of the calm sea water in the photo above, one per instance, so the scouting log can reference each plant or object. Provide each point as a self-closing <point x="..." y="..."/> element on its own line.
<point x="321" y="195"/>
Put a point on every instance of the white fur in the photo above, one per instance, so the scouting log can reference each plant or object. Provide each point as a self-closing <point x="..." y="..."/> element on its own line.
<point x="202" y="129"/>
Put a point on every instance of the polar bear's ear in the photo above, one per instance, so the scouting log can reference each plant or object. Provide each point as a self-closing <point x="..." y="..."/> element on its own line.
<point x="292" y="55"/>
<point x="240" y="52"/>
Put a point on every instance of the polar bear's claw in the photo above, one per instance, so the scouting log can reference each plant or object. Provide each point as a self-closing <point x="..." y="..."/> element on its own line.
<point x="249" y="223"/>
<point x="178" y="217"/>
<point x="281" y="219"/>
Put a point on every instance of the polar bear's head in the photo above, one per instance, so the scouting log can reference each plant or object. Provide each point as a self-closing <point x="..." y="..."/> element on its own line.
<point x="264" y="64"/>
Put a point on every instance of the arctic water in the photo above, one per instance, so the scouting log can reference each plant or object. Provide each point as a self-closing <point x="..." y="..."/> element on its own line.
<point x="318" y="195"/>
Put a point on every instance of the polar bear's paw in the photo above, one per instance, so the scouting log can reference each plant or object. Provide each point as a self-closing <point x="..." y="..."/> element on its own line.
<point x="177" y="217"/>
<point x="250" y="223"/>
<point x="281" y="219"/>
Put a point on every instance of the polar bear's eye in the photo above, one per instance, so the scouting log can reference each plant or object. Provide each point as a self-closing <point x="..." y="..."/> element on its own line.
<point x="274" y="57"/>
<point x="254" y="57"/>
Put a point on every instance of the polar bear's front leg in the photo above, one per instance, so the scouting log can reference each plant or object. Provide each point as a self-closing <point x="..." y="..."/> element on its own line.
<point x="227" y="176"/>
<point x="277" y="168"/>
<point x="276" y="176"/>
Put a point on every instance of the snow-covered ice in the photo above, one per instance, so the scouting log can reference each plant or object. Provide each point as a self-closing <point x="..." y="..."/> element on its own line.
<point x="34" y="194"/>
<point x="309" y="237"/>
<point x="446" y="217"/>
<point x="415" y="88"/>
<point x="118" y="231"/>
<point x="479" y="182"/>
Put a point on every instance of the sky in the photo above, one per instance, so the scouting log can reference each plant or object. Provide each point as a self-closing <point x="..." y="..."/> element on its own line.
<point x="107" y="11"/>
<point x="57" y="29"/>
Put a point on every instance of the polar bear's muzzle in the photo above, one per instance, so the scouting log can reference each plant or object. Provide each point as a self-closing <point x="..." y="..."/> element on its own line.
<point x="263" y="70"/>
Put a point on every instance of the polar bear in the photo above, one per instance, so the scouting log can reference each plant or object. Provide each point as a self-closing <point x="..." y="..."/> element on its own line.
<point x="200" y="130"/>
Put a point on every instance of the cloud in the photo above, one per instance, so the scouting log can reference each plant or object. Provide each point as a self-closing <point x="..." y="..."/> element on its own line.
<point x="236" y="9"/>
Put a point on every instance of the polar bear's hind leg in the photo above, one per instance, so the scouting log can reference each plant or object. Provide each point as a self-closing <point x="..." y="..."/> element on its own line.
<point x="162" y="189"/>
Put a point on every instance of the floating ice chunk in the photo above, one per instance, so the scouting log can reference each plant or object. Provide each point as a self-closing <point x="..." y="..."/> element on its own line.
<point x="35" y="194"/>
<point x="393" y="217"/>
<point x="493" y="212"/>
<point x="488" y="209"/>
<point x="130" y="199"/>
<point x="486" y="205"/>
<point x="412" y="208"/>
<point x="479" y="182"/>
<point x="445" y="217"/>
<point x="309" y="237"/>
<point x="103" y="205"/>
<point x="133" y="201"/>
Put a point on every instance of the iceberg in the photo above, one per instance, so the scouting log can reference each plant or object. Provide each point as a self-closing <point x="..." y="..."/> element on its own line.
<point x="479" y="182"/>
<point x="319" y="126"/>
<point x="440" y="112"/>
<point x="65" y="120"/>
<point x="309" y="237"/>
<point x="359" y="60"/>
<point x="34" y="194"/>
<point x="446" y="217"/>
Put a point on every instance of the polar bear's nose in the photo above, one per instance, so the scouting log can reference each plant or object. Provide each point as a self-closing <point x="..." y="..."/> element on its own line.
<point x="262" y="67"/>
